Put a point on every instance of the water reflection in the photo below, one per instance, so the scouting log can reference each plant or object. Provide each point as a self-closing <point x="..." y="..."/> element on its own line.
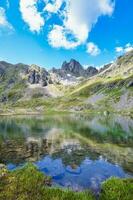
<point x="77" y="151"/>
<point x="89" y="174"/>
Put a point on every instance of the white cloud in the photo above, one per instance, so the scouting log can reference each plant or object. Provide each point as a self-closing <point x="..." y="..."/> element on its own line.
<point x="119" y="49"/>
<point x="57" y="38"/>
<point x="77" y="18"/>
<point x="127" y="48"/>
<point x="4" y="24"/>
<point x="54" y="6"/>
<point x="81" y="15"/>
<point x="93" y="49"/>
<point x="31" y="15"/>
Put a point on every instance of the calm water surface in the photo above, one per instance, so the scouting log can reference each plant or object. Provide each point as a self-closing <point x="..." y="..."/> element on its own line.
<point x="77" y="151"/>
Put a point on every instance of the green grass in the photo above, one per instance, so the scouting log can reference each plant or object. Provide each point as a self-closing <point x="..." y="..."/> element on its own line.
<point x="117" y="189"/>
<point x="88" y="90"/>
<point x="75" y="98"/>
<point x="30" y="184"/>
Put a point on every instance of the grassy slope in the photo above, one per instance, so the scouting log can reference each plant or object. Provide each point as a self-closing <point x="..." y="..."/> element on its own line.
<point x="111" y="89"/>
<point x="112" y="85"/>
<point x="78" y="99"/>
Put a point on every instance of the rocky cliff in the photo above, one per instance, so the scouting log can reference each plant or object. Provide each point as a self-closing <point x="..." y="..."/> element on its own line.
<point x="38" y="75"/>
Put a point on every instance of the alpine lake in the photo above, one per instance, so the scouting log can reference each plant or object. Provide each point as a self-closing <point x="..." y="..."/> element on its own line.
<point x="78" y="151"/>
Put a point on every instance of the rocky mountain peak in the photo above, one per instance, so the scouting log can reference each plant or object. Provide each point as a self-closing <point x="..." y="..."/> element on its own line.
<point x="72" y="70"/>
<point x="38" y="75"/>
<point x="73" y="67"/>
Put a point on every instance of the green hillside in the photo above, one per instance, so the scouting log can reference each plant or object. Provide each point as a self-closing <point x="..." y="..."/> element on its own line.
<point x="31" y="89"/>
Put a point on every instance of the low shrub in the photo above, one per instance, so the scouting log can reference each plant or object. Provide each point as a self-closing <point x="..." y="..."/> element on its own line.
<point x="117" y="189"/>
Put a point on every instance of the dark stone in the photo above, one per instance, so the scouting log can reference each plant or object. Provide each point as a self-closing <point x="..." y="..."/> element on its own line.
<point x="91" y="71"/>
<point x="111" y="85"/>
<point x="4" y="99"/>
<point x="31" y="77"/>
<point x="50" y="81"/>
<point x="34" y="77"/>
<point x="37" y="78"/>
<point x="1" y="72"/>
<point x="44" y="83"/>
<point x="130" y="84"/>
<point x="11" y="81"/>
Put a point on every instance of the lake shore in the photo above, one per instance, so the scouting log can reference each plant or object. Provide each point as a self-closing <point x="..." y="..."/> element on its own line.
<point x="28" y="183"/>
<point x="11" y="112"/>
<point x="78" y="151"/>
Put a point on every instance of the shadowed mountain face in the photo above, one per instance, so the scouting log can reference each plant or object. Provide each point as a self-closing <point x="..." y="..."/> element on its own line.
<point x="72" y="67"/>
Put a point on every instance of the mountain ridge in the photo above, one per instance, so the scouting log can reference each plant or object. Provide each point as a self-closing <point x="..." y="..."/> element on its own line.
<point x="67" y="89"/>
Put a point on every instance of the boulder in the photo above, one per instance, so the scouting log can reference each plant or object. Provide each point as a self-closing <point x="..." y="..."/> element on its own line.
<point x="2" y="166"/>
<point x="130" y="84"/>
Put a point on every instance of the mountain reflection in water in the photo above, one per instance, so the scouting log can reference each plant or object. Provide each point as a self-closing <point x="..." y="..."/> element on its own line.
<point x="78" y="152"/>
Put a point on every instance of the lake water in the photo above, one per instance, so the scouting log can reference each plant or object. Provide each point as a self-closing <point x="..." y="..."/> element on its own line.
<point x="77" y="151"/>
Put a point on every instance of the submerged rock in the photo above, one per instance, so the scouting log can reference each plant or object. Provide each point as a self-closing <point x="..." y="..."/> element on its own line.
<point x="106" y="113"/>
<point x="2" y="166"/>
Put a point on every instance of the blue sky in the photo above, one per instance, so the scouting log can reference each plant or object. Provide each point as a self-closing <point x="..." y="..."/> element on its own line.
<point x="47" y="32"/>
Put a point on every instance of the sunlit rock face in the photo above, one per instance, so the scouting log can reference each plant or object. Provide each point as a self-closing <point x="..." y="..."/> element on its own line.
<point x="37" y="75"/>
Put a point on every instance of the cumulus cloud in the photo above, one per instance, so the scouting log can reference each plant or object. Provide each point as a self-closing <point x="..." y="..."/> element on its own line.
<point x="119" y="49"/>
<point x="127" y="48"/>
<point x="31" y="15"/>
<point x="57" y="38"/>
<point x="77" y="18"/>
<point x="81" y="15"/>
<point x="54" y="6"/>
<point x="93" y="49"/>
<point x="4" y="24"/>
